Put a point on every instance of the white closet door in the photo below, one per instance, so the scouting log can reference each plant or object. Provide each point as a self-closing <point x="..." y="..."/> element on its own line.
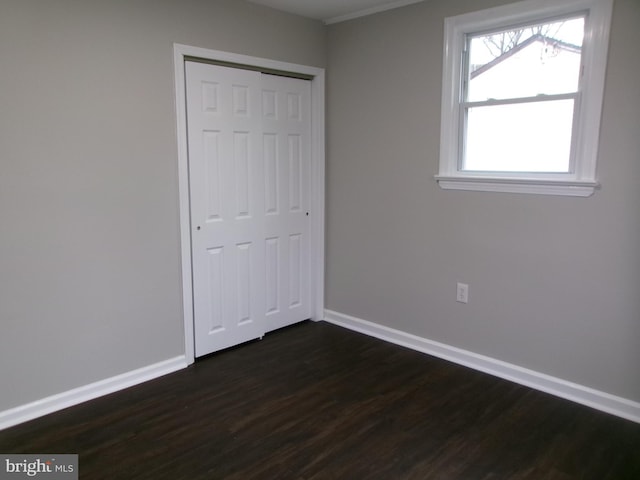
<point x="227" y="205"/>
<point x="249" y="172"/>
<point x="286" y="149"/>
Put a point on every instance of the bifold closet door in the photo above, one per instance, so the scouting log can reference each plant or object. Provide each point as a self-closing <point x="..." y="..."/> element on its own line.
<point x="249" y="171"/>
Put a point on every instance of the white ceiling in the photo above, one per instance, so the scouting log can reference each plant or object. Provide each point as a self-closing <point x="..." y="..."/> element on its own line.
<point x="333" y="11"/>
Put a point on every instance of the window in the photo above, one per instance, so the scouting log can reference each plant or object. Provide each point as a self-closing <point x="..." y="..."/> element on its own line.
<point x="522" y="97"/>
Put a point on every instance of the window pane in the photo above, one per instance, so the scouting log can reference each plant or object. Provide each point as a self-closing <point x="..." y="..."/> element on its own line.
<point x="525" y="62"/>
<point x="526" y="137"/>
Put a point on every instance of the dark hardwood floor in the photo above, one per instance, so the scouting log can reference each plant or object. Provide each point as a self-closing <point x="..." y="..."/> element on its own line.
<point x="318" y="402"/>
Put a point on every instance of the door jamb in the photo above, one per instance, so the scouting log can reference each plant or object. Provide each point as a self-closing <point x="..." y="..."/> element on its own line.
<point x="317" y="196"/>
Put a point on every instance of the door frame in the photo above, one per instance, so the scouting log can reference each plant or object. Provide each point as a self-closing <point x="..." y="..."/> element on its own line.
<point x="317" y="194"/>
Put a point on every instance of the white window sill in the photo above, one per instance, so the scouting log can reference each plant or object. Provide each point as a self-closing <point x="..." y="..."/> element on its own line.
<point x="572" y="188"/>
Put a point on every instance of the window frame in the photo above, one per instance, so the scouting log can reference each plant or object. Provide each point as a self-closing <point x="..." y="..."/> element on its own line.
<point x="581" y="180"/>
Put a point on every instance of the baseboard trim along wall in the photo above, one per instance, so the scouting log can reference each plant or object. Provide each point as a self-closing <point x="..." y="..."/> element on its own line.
<point x="39" y="408"/>
<point x="590" y="397"/>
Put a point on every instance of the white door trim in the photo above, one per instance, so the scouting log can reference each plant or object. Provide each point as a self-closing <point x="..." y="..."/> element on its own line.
<point x="317" y="174"/>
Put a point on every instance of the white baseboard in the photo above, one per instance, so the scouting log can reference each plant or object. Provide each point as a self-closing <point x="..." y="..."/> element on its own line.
<point x="599" y="400"/>
<point x="24" y="413"/>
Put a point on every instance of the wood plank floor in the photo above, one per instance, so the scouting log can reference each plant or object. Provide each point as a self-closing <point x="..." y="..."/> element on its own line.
<point x="317" y="402"/>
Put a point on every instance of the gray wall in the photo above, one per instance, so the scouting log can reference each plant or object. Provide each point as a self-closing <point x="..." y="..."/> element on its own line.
<point x="554" y="281"/>
<point x="89" y="250"/>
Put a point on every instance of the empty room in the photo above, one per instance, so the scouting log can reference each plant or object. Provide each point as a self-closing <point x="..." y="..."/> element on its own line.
<point x="314" y="239"/>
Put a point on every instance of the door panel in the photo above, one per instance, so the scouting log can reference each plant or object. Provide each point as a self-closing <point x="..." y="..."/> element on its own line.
<point x="286" y="125"/>
<point x="227" y="220"/>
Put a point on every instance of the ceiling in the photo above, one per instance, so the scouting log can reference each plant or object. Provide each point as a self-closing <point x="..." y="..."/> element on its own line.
<point x="333" y="11"/>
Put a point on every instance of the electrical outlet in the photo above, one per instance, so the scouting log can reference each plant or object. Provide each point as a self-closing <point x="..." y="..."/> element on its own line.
<point x="462" y="293"/>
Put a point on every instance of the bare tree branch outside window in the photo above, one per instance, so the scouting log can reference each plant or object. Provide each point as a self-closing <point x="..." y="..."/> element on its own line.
<point x="500" y="43"/>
